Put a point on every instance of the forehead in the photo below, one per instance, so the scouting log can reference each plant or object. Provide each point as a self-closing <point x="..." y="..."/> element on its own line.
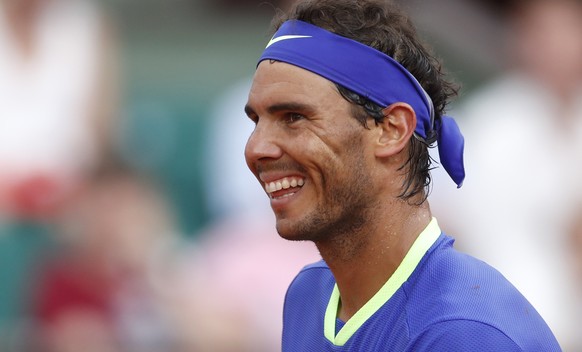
<point x="276" y="81"/>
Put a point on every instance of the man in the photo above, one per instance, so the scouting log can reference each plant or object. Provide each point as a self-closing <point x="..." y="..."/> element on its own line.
<point x="346" y="102"/>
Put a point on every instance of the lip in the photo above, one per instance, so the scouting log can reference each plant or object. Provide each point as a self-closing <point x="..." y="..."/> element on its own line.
<point x="279" y="203"/>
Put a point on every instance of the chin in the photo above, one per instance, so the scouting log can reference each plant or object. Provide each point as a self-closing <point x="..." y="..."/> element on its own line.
<point x="291" y="232"/>
<point x="290" y="235"/>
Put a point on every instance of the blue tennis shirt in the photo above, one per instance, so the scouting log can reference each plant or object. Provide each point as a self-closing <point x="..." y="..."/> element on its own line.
<point x="437" y="300"/>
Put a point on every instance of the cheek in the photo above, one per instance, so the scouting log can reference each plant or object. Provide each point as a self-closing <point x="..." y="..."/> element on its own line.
<point x="349" y="148"/>
<point x="336" y="142"/>
<point x="319" y="155"/>
<point x="346" y="159"/>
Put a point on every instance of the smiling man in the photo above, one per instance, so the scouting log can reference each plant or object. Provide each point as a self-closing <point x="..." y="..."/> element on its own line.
<point x="346" y="102"/>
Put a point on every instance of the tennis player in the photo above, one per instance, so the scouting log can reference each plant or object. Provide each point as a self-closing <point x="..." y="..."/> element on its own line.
<point x="346" y="102"/>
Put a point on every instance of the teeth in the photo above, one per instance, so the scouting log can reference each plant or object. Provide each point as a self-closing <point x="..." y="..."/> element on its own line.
<point x="284" y="183"/>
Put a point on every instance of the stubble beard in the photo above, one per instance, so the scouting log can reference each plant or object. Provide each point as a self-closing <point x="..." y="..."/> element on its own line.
<point x="343" y="215"/>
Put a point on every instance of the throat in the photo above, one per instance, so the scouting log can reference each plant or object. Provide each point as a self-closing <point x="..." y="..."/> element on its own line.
<point x="342" y="251"/>
<point x="348" y="257"/>
<point x="361" y="264"/>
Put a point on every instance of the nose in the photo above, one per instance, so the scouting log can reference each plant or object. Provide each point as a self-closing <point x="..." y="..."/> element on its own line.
<point x="262" y="144"/>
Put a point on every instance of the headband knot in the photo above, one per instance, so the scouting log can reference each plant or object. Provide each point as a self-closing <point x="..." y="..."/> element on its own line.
<point x="371" y="74"/>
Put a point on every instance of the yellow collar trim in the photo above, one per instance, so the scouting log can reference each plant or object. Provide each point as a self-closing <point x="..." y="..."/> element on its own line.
<point x="419" y="248"/>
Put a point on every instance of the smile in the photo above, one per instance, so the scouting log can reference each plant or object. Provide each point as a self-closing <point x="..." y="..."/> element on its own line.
<point x="283" y="184"/>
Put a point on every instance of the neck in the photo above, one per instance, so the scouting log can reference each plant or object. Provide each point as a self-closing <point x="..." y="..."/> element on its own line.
<point x="362" y="261"/>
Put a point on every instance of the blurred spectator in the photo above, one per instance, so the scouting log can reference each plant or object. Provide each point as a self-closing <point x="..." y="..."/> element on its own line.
<point x="56" y="92"/>
<point x="523" y="146"/>
<point x="57" y="98"/>
<point x="101" y="292"/>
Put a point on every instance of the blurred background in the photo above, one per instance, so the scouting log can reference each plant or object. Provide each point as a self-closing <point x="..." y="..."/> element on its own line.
<point x="128" y="219"/>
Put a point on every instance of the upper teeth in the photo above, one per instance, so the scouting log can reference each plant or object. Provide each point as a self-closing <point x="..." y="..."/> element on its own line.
<point x="284" y="183"/>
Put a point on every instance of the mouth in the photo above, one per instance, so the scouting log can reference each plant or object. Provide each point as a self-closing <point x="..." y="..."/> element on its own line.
<point x="284" y="187"/>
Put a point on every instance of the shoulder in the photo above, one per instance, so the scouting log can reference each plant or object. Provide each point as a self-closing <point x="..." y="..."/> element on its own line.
<point x="447" y="267"/>
<point x="310" y="289"/>
<point x="306" y="302"/>
<point x="311" y="279"/>
<point x="450" y="280"/>
<point x="457" y="293"/>
<point x="470" y="335"/>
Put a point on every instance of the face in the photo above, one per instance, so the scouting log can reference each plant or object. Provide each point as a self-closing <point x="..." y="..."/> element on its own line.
<point x="309" y="154"/>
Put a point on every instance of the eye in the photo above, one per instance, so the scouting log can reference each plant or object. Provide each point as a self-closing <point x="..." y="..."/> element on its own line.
<point x="293" y="117"/>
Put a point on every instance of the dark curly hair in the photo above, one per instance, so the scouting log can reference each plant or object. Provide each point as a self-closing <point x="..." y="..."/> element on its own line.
<point x="382" y="25"/>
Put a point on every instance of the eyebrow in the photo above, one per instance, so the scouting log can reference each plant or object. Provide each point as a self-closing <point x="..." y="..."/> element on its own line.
<point x="289" y="106"/>
<point x="286" y="106"/>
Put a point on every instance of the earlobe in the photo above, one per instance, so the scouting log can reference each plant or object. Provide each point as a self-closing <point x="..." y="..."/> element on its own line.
<point x="396" y="129"/>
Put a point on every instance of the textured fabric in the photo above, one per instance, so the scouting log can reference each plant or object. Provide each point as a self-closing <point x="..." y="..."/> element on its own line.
<point x="451" y="302"/>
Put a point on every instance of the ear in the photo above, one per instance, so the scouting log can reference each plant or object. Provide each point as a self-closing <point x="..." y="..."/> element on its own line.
<point x="395" y="130"/>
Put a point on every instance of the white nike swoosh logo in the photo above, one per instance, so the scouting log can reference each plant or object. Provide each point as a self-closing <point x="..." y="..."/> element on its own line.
<point x="285" y="37"/>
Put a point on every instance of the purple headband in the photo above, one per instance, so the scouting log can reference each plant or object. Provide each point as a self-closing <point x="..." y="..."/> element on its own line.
<point x="371" y="74"/>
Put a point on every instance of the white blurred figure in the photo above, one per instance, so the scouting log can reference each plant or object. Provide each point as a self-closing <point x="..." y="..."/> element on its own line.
<point x="54" y="62"/>
<point x="231" y="186"/>
<point x="523" y="135"/>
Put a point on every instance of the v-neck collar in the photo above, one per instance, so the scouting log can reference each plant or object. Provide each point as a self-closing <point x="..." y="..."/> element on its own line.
<point x="419" y="248"/>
